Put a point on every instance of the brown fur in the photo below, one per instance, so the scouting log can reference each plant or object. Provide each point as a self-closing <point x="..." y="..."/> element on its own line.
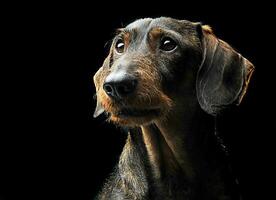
<point x="207" y="29"/>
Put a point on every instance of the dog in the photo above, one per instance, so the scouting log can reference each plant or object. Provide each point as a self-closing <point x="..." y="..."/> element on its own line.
<point x="166" y="80"/>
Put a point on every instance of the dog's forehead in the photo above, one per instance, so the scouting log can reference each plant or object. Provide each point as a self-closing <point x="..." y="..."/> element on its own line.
<point x="139" y="24"/>
<point x="144" y="25"/>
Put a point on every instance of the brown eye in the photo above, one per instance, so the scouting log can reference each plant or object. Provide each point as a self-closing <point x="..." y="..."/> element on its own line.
<point x="167" y="44"/>
<point x="120" y="46"/>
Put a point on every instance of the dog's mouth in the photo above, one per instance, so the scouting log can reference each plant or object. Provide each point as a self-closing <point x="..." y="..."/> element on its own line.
<point x="135" y="116"/>
<point x="134" y="113"/>
<point x="137" y="113"/>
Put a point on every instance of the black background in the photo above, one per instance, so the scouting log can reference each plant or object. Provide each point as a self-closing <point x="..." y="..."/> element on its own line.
<point x="50" y="145"/>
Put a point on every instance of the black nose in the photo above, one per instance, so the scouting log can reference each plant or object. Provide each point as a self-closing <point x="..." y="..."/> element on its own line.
<point x="119" y="87"/>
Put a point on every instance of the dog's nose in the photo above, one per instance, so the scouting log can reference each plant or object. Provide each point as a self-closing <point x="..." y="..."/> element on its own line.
<point x="119" y="86"/>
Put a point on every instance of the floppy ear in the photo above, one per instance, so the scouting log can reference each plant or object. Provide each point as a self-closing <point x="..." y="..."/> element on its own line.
<point x="223" y="76"/>
<point x="99" y="108"/>
<point x="98" y="81"/>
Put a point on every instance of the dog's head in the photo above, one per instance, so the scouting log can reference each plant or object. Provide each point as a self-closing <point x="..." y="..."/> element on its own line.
<point x="151" y="61"/>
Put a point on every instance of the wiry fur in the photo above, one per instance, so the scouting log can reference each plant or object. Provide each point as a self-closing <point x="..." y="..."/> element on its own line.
<point x="173" y="153"/>
<point x="149" y="93"/>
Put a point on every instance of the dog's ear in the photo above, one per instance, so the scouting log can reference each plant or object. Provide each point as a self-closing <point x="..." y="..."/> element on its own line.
<point x="98" y="81"/>
<point x="223" y="76"/>
<point x="99" y="108"/>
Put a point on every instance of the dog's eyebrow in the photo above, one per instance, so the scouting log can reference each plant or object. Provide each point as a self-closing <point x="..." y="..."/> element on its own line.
<point x="125" y="31"/>
<point x="119" y="31"/>
<point x="161" y="30"/>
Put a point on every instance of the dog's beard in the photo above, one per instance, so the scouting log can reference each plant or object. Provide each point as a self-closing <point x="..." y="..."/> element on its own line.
<point x="142" y="108"/>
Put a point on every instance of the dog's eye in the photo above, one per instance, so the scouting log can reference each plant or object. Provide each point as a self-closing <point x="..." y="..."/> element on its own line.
<point x="120" y="46"/>
<point x="167" y="44"/>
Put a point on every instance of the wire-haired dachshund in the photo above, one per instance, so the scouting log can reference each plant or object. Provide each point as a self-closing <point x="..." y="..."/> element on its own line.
<point x="166" y="80"/>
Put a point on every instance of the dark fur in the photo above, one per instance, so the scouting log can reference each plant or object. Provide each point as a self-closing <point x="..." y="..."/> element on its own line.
<point x="173" y="153"/>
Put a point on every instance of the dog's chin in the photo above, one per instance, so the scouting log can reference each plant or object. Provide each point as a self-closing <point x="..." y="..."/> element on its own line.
<point x="135" y="117"/>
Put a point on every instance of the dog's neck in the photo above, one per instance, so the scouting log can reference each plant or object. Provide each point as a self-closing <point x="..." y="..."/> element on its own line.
<point x="178" y="156"/>
<point x="176" y="145"/>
